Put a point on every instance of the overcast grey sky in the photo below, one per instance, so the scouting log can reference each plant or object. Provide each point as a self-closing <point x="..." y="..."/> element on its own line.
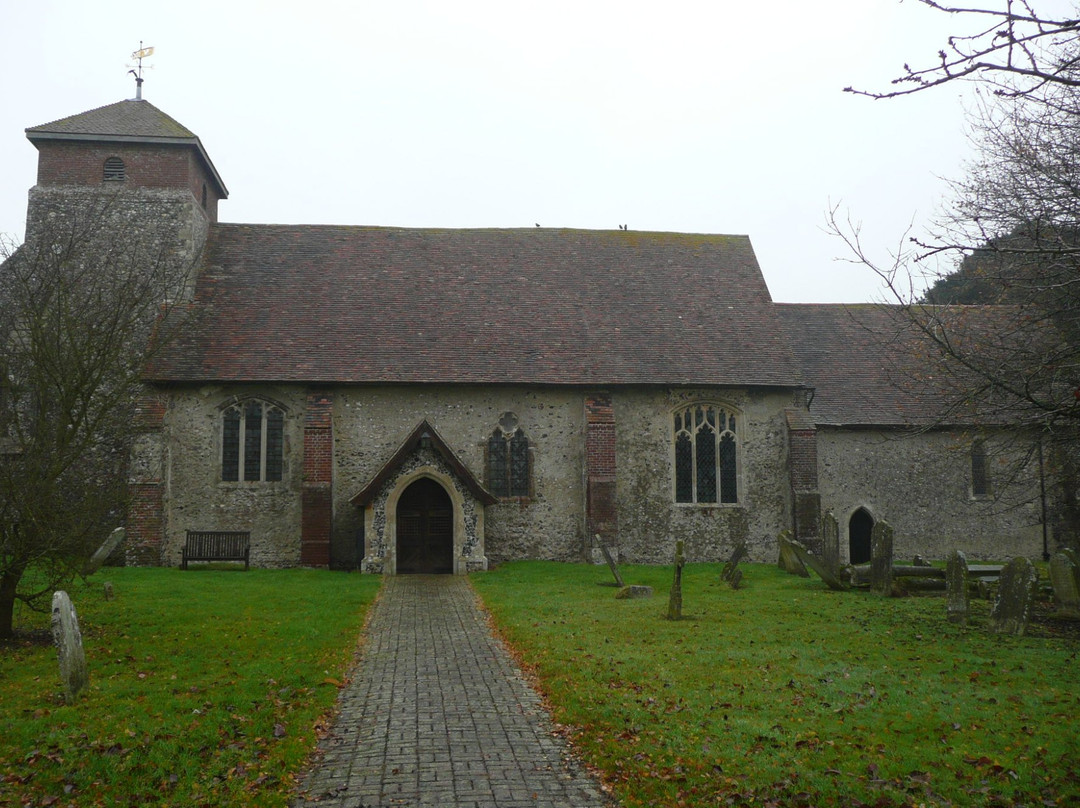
<point x="694" y="116"/>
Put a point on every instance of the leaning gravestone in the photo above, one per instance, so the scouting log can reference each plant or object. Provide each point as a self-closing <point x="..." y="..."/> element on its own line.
<point x="881" y="558"/>
<point x="956" y="588"/>
<point x="1016" y="591"/>
<point x="69" y="647"/>
<point x="830" y="543"/>
<point x="810" y="560"/>
<point x="610" y="562"/>
<point x="1065" y="579"/>
<point x="789" y="560"/>
<point x="674" y="611"/>
<point x="104" y="551"/>
<point x="732" y="575"/>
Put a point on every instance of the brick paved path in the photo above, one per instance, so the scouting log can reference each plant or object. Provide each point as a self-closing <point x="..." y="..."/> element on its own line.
<point x="438" y="715"/>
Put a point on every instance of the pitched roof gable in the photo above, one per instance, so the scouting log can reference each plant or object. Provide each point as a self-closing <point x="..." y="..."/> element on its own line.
<point x="423" y="431"/>
<point x="390" y="305"/>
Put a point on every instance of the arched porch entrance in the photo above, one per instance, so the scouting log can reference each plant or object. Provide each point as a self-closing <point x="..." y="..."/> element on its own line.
<point x="425" y="529"/>
<point x="860" y="528"/>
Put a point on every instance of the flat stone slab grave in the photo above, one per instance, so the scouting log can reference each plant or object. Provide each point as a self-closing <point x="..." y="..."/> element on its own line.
<point x="437" y="714"/>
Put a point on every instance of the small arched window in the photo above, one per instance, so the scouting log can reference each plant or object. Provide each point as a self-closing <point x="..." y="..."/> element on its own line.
<point x="114" y="170"/>
<point x="706" y="455"/>
<point x="508" y="459"/>
<point x="980" y="478"/>
<point x="252" y="442"/>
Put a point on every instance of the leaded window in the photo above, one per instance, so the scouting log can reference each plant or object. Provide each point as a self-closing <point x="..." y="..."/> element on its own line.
<point x="706" y="455"/>
<point x="252" y="442"/>
<point x="508" y="462"/>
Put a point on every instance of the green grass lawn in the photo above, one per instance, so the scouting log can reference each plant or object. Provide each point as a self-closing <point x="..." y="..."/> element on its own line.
<point x="207" y="687"/>
<point x="785" y="693"/>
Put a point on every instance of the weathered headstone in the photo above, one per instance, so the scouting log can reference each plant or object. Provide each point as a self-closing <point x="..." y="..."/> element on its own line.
<point x="956" y="588"/>
<point x="919" y="561"/>
<point x="1072" y="555"/>
<point x="69" y="647"/>
<point x="732" y="575"/>
<point x="789" y="560"/>
<point x="104" y="551"/>
<point x="830" y="543"/>
<point x="813" y="562"/>
<point x="881" y="558"/>
<point x="674" y="611"/>
<point x="610" y="562"/>
<point x="1016" y="591"/>
<point x="634" y="592"/>
<point x="1065" y="579"/>
<point x="109" y="594"/>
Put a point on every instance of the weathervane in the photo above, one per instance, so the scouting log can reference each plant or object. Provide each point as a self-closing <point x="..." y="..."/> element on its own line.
<point x="138" y="56"/>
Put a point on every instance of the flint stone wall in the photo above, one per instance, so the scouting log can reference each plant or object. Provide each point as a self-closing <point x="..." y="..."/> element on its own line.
<point x="649" y="519"/>
<point x="921" y="484"/>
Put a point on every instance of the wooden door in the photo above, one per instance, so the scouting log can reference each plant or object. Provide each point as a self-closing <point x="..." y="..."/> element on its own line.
<point x="425" y="529"/>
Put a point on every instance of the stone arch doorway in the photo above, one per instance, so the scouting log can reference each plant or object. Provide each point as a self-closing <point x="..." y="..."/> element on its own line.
<point x="860" y="528"/>
<point x="425" y="529"/>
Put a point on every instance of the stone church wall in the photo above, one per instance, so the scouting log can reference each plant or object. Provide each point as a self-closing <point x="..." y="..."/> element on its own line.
<point x="920" y="483"/>
<point x="370" y="424"/>
<point x="197" y="499"/>
<point x="650" y="521"/>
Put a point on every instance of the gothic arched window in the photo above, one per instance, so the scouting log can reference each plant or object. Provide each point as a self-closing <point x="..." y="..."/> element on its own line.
<point x="706" y="455"/>
<point x="508" y="459"/>
<point x="252" y="442"/>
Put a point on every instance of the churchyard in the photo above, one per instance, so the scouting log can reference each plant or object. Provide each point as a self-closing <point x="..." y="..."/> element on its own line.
<point x="209" y="687"/>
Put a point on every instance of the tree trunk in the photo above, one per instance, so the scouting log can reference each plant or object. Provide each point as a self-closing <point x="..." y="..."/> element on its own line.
<point x="9" y="583"/>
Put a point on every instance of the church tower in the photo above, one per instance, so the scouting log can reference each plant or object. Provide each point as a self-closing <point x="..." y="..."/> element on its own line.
<point x="131" y="168"/>
<point x="126" y="178"/>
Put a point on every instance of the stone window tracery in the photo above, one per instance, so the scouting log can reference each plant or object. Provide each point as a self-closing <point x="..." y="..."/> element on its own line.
<point x="706" y="455"/>
<point x="252" y="442"/>
<point x="508" y="459"/>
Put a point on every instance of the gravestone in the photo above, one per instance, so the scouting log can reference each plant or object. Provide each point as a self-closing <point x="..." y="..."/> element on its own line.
<point x="634" y="592"/>
<point x="810" y="560"/>
<point x="881" y="558"/>
<point x="789" y="560"/>
<point x="1065" y="579"/>
<point x="610" y="562"/>
<point x="1072" y="555"/>
<point x="1016" y="591"/>
<point x="104" y="551"/>
<point x="830" y="543"/>
<point x="919" y="561"/>
<point x="956" y="588"/>
<point x="109" y="594"/>
<point x="674" y="611"/>
<point x="69" y="647"/>
<point x="732" y="574"/>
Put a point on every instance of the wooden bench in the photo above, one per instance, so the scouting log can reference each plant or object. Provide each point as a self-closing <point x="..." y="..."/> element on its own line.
<point x="217" y="545"/>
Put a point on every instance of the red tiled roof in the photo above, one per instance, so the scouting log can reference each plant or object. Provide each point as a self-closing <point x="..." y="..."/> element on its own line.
<point x="534" y="306"/>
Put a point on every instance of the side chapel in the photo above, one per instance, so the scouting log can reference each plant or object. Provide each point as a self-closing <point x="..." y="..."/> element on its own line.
<point x="403" y="400"/>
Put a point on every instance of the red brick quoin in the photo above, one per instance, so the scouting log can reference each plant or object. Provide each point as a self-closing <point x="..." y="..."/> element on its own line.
<point x="316" y="519"/>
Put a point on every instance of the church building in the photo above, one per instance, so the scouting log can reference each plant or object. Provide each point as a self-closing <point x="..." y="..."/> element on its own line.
<point x="400" y="400"/>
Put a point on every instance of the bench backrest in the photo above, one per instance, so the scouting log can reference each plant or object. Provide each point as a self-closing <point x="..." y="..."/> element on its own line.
<point x="217" y="542"/>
